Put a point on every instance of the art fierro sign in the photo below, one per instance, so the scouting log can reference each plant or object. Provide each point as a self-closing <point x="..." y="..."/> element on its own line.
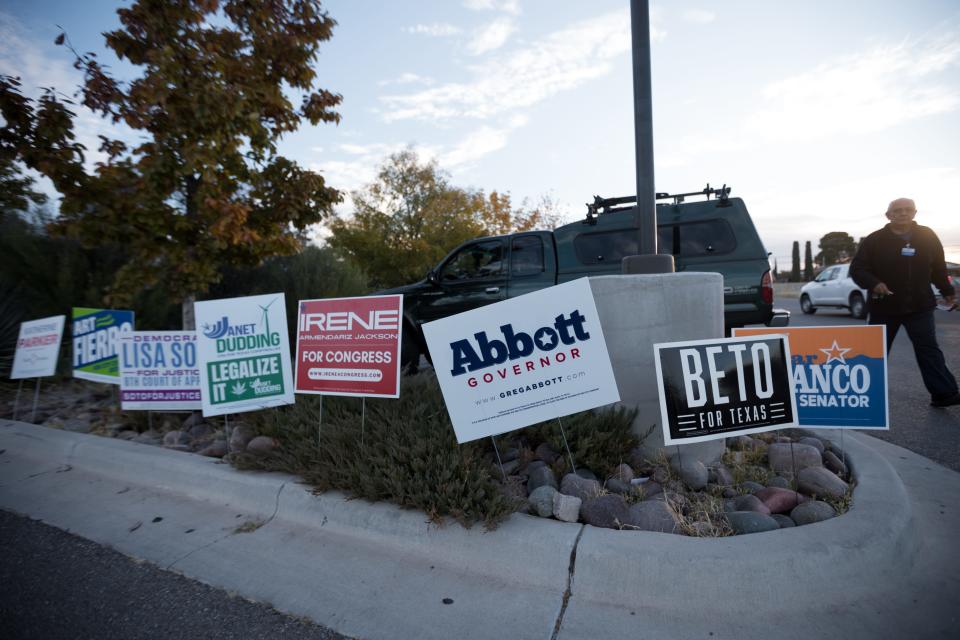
<point x="38" y="347"/>
<point x="350" y="346"/>
<point x="158" y="370"/>
<point x="522" y="361"/>
<point x="96" y="339"/>
<point x="717" y="388"/>
<point x="839" y="375"/>
<point x="243" y="354"/>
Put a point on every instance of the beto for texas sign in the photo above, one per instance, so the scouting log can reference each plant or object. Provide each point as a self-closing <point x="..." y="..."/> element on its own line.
<point x="243" y="354"/>
<point x="839" y="375"/>
<point x="350" y="346"/>
<point x="522" y="361"/>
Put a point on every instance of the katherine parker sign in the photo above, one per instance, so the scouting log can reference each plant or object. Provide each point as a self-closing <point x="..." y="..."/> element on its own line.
<point x="158" y="371"/>
<point x="839" y="375"/>
<point x="716" y="388"/>
<point x="522" y="361"/>
<point x="350" y="346"/>
<point x="243" y="354"/>
<point x="38" y="347"/>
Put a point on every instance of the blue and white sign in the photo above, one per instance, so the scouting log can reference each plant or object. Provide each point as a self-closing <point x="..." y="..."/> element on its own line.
<point x="522" y="361"/>
<point x="159" y="371"/>
<point x="96" y="339"/>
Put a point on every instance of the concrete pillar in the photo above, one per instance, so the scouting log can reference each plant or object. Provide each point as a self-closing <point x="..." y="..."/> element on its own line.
<point x="638" y="311"/>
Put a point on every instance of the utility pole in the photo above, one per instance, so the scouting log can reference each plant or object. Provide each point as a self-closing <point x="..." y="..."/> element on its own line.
<point x="645" y="212"/>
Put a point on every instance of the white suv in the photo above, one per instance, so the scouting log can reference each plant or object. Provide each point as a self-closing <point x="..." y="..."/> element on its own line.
<point x="834" y="287"/>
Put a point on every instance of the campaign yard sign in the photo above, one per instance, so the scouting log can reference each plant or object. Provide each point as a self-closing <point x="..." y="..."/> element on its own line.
<point x="96" y="339"/>
<point x="522" y="361"/>
<point x="158" y="371"/>
<point x="38" y="348"/>
<point x="839" y="375"/>
<point x="350" y="346"/>
<point x="718" y="388"/>
<point x="243" y="354"/>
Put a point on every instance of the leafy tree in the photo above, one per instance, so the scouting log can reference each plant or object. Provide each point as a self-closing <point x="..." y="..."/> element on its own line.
<point x="16" y="190"/>
<point x="836" y="246"/>
<point x="206" y="186"/>
<point x="410" y="217"/>
<point x="807" y="263"/>
<point x="795" y="270"/>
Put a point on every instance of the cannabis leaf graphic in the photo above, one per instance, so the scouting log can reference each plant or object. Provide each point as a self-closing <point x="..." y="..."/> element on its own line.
<point x="238" y="389"/>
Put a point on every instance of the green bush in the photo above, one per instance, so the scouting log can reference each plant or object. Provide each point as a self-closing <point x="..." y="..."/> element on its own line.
<point x="405" y="452"/>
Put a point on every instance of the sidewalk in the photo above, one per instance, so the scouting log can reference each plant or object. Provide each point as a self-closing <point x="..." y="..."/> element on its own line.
<point x="889" y="568"/>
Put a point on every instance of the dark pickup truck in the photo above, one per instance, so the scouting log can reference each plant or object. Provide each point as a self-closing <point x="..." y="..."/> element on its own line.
<point x="713" y="235"/>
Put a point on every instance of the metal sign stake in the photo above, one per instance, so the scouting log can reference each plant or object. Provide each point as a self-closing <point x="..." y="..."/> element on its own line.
<point x="499" y="461"/>
<point x="565" y="444"/>
<point x="36" y="398"/>
<point x="16" y="401"/>
<point x="320" y="421"/>
<point x="363" y="417"/>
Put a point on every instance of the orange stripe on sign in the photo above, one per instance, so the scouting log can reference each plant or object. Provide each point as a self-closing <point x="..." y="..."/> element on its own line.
<point x="828" y="343"/>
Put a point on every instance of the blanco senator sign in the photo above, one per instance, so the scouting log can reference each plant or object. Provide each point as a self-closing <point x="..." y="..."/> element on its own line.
<point x="717" y="388"/>
<point x="243" y="354"/>
<point x="38" y="346"/>
<point x="522" y="361"/>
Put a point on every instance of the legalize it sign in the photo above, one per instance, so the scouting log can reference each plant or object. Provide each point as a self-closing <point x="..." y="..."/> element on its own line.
<point x="244" y="354"/>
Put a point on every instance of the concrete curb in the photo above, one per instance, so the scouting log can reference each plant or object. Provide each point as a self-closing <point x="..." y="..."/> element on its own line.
<point x="867" y="548"/>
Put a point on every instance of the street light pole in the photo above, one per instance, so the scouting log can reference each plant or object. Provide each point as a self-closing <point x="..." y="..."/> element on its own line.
<point x="645" y="212"/>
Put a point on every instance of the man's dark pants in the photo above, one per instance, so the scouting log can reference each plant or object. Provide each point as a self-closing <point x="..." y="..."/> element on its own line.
<point x="923" y="334"/>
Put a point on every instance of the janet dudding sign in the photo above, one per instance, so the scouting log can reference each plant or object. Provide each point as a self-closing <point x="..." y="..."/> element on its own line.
<point x="521" y="361"/>
<point x="350" y="346"/>
<point x="839" y="375"/>
<point x="712" y="389"/>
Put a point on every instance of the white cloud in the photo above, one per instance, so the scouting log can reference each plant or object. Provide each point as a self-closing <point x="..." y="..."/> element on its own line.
<point x="491" y="36"/>
<point x="507" y="6"/>
<point x="861" y="93"/>
<point x="561" y="61"/>
<point x="408" y="78"/>
<point x="699" y="16"/>
<point x="435" y="29"/>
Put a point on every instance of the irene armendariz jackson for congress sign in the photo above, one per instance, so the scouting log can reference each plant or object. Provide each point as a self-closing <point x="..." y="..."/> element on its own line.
<point x="522" y="361"/>
<point x="722" y="387"/>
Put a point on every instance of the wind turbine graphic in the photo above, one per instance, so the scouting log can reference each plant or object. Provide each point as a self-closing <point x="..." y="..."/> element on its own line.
<point x="266" y="316"/>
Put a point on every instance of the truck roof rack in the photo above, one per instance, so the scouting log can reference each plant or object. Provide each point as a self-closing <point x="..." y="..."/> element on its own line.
<point x="611" y="205"/>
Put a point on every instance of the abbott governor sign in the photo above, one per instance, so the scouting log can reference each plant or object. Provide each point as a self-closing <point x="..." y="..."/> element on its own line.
<point x="522" y="361"/>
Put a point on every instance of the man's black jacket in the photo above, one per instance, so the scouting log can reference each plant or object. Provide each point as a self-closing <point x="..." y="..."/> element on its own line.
<point x="884" y="256"/>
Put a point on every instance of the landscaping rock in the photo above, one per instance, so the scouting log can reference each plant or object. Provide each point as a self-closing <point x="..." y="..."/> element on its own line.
<point x="262" y="445"/>
<point x="201" y="430"/>
<point x="748" y="503"/>
<point x="616" y="486"/>
<point x="817" y="481"/>
<point x="178" y="447"/>
<point x="782" y="461"/>
<point x="833" y="462"/>
<point x="780" y="482"/>
<point x="693" y="472"/>
<point x="566" y="508"/>
<point x="816" y="443"/>
<point x="574" y="485"/>
<point x="546" y="453"/>
<point x="216" y="449"/>
<point x="660" y="475"/>
<point x="750" y="486"/>
<point x="510" y="455"/>
<point x="813" y="511"/>
<point x="149" y="437"/>
<point x="541" y="501"/>
<point x="240" y="436"/>
<point x="127" y="435"/>
<point x="586" y="474"/>
<point x="720" y="475"/>
<point x="191" y="421"/>
<point x="609" y="511"/>
<point x="740" y="443"/>
<point x="77" y="425"/>
<point x="176" y="438"/>
<point x="623" y="473"/>
<point x="784" y="521"/>
<point x="751" y="522"/>
<point x="779" y="500"/>
<point x="649" y="489"/>
<point x="533" y="464"/>
<point x="653" y="515"/>
<point x="540" y="477"/>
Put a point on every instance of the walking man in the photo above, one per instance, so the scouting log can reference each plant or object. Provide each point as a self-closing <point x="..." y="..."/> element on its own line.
<point x="897" y="264"/>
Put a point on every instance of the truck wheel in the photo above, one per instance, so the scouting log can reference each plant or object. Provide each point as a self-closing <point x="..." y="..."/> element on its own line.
<point x="806" y="306"/>
<point x="858" y="308"/>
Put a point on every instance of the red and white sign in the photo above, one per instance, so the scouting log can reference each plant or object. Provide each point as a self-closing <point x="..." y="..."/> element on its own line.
<point x="350" y="346"/>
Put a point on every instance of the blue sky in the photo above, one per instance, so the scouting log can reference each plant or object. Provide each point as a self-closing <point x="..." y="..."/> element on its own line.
<point x="817" y="113"/>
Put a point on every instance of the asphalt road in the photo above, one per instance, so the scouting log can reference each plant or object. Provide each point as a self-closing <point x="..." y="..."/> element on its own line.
<point x="914" y="424"/>
<point x="55" y="585"/>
